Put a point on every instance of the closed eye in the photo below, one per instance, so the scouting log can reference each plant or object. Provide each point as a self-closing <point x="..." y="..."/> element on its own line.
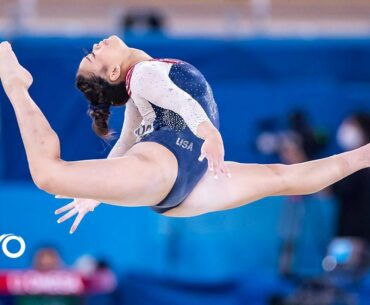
<point x="87" y="54"/>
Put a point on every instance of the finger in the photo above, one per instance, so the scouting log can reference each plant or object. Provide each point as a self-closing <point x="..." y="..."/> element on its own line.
<point x="225" y="169"/>
<point x="217" y="169"/>
<point x="210" y="163"/>
<point x="67" y="216"/>
<point x="63" y="197"/>
<point x="77" y="221"/>
<point x="65" y="208"/>
<point x="202" y="156"/>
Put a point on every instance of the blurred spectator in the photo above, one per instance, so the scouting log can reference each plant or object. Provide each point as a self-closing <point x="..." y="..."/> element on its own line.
<point x="49" y="286"/>
<point x="143" y="21"/>
<point x="301" y="143"/>
<point x="296" y="142"/>
<point x="85" y="265"/>
<point x="47" y="259"/>
<point x="101" y="278"/>
<point x="353" y="192"/>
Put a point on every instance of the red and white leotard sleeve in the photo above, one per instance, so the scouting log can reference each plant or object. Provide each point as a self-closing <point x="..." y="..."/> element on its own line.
<point x="127" y="138"/>
<point x="150" y="82"/>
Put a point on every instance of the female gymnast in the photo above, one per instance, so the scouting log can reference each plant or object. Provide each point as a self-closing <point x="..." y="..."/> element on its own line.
<point x="168" y="141"/>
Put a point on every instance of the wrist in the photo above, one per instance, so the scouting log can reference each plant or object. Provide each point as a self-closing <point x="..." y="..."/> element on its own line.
<point x="207" y="131"/>
<point x="213" y="135"/>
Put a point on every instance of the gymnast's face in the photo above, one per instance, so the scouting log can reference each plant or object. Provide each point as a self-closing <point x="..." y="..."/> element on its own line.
<point x="105" y="60"/>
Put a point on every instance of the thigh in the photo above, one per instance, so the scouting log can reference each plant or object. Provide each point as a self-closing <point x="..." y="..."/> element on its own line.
<point x="144" y="176"/>
<point x="248" y="183"/>
<point x="186" y="148"/>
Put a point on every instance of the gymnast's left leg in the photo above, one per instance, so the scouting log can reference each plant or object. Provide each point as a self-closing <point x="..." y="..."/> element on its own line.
<point x="109" y="180"/>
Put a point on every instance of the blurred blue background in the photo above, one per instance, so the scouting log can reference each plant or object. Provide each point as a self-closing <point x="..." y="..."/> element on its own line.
<point x="252" y="79"/>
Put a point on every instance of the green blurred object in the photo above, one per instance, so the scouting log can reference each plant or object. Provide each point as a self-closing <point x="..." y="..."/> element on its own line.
<point x="48" y="300"/>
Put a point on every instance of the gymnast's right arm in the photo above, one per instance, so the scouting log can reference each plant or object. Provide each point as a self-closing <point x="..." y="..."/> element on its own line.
<point x="127" y="138"/>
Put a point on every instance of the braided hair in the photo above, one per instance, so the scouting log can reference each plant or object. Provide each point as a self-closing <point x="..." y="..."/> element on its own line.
<point x="101" y="96"/>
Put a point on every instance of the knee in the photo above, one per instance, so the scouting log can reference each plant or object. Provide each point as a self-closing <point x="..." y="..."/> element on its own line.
<point x="44" y="176"/>
<point x="280" y="173"/>
<point x="42" y="181"/>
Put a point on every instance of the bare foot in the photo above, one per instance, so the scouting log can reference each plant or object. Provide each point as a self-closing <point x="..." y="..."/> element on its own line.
<point x="13" y="76"/>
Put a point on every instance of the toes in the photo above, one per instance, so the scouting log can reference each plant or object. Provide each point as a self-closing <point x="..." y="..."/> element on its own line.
<point x="5" y="45"/>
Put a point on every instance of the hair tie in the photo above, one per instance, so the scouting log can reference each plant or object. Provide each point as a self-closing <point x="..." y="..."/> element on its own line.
<point x="99" y="107"/>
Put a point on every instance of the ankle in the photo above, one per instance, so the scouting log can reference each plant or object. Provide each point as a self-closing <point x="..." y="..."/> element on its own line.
<point x="357" y="159"/>
<point x="351" y="161"/>
<point x="364" y="155"/>
<point x="15" y="90"/>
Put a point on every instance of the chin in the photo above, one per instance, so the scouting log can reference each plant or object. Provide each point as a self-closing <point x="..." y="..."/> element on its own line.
<point x="115" y="40"/>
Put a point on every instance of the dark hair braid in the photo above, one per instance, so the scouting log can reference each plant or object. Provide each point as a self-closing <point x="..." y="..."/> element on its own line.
<point x="101" y="95"/>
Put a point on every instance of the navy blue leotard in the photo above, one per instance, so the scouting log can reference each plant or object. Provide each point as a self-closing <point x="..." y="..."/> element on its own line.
<point x="173" y="98"/>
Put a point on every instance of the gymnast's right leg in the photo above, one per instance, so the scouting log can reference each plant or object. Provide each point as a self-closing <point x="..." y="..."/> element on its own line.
<point x="143" y="177"/>
<point x="250" y="182"/>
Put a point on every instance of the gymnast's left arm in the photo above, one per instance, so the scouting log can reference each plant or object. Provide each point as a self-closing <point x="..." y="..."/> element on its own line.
<point x="155" y="86"/>
<point x="212" y="148"/>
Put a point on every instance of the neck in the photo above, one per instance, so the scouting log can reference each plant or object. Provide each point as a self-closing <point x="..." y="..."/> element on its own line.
<point x="133" y="57"/>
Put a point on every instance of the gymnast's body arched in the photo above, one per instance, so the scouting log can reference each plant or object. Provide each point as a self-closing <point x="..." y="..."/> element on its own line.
<point x="170" y="154"/>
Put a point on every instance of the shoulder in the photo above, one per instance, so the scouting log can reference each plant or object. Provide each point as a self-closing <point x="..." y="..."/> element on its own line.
<point x="146" y="73"/>
<point x="148" y="68"/>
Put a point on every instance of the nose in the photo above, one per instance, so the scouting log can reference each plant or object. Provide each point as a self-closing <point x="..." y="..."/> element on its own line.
<point x="97" y="45"/>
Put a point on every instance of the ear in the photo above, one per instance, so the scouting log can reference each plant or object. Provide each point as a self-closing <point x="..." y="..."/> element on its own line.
<point x="115" y="73"/>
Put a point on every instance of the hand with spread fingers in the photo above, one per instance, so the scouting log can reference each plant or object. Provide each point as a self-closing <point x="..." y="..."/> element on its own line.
<point x="78" y="206"/>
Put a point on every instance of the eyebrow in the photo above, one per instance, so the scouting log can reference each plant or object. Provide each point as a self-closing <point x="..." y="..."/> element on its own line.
<point x="88" y="59"/>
